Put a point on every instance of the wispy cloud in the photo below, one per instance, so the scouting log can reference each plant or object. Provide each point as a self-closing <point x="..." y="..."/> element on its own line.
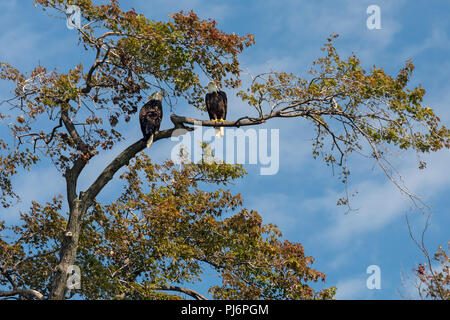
<point x="437" y="39"/>
<point x="351" y="288"/>
<point x="380" y="203"/>
<point x="275" y="208"/>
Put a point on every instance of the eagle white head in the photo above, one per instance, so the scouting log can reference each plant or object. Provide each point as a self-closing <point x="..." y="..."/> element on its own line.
<point x="212" y="87"/>
<point x="158" y="95"/>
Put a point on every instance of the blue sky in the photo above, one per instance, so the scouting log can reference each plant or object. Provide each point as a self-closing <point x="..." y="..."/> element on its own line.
<point x="301" y="197"/>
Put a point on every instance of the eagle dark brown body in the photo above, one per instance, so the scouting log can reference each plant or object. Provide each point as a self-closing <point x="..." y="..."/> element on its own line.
<point x="216" y="104"/>
<point x="150" y="118"/>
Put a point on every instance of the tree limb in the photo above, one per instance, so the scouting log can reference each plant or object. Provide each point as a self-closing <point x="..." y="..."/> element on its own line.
<point x="250" y="121"/>
<point x="27" y="293"/>
<point x="121" y="160"/>
<point x="179" y="123"/>
<point x="187" y="291"/>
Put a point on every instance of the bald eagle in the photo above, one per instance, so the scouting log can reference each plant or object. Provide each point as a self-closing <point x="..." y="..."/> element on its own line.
<point x="216" y="104"/>
<point x="150" y="117"/>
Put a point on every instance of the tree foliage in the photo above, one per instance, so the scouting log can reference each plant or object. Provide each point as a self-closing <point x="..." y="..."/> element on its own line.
<point x="434" y="281"/>
<point x="353" y="110"/>
<point x="163" y="230"/>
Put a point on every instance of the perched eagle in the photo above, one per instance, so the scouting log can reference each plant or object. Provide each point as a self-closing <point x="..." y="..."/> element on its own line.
<point x="150" y="117"/>
<point x="216" y="104"/>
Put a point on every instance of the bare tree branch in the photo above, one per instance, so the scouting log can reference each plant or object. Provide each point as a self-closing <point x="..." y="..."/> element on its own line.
<point x="26" y="293"/>
<point x="187" y="291"/>
<point x="122" y="159"/>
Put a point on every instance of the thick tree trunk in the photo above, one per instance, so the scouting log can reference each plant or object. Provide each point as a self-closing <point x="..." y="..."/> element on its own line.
<point x="79" y="205"/>
<point x="68" y="251"/>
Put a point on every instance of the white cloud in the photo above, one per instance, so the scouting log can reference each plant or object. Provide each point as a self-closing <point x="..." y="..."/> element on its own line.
<point x="438" y="39"/>
<point x="352" y="288"/>
<point x="275" y="208"/>
<point x="380" y="203"/>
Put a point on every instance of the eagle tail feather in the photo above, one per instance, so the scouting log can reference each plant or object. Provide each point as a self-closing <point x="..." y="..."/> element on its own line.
<point x="220" y="132"/>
